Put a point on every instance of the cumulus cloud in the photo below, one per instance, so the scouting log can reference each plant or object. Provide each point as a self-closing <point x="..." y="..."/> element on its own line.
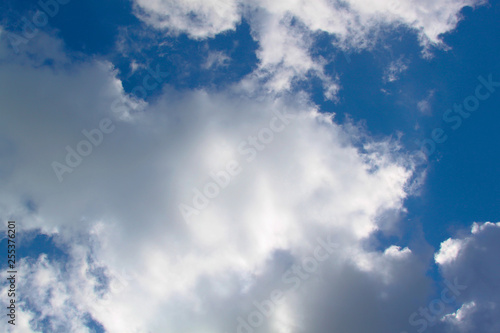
<point x="472" y="259"/>
<point x="306" y="185"/>
<point x="136" y="265"/>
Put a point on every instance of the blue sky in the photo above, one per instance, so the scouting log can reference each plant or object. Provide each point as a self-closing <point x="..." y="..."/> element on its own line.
<point x="173" y="93"/>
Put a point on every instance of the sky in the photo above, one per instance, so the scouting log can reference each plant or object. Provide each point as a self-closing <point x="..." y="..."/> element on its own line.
<point x="241" y="166"/>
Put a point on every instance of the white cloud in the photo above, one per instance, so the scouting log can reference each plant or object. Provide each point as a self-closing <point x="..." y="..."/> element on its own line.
<point x="118" y="210"/>
<point x="352" y="18"/>
<point x="394" y="69"/>
<point x="472" y="259"/>
<point x="215" y="60"/>
<point x="285" y="29"/>
<point x="47" y="298"/>
<point x="136" y="266"/>
<point x="200" y="19"/>
<point x="449" y="251"/>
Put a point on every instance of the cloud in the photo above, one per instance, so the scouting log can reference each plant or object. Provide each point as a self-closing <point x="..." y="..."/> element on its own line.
<point x="394" y="69"/>
<point x="472" y="259"/>
<point x="49" y="298"/>
<point x="353" y="18"/>
<point x="215" y="60"/>
<point x="285" y="30"/>
<point x="424" y="106"/>
<point x="116" y="214"/>
<point x="200" y="19"/>
<point x="136" y="265"/>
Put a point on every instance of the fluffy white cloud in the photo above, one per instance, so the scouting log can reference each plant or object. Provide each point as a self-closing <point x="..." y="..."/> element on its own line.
<point x="285" y="29"/>
<point x="136" y="265"/>
<point x="472" y="259"/>
<point x="199" y="18"/>
<point x="117" y="212"/>
<point x="48" y="296"/>
<point x="352" y="19"/>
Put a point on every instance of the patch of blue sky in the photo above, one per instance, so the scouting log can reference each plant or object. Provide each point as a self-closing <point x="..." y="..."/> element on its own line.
<point x="213" y="64"/>
<point x="33" y="243"/>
